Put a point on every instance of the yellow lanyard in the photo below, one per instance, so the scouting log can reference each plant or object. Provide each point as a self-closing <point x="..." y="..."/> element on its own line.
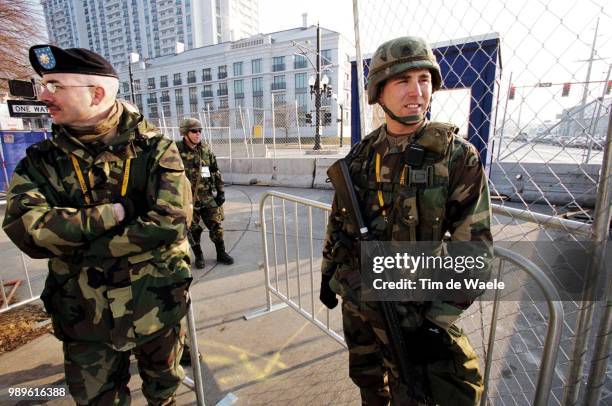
<point x="126" y="177"/>
<point x="381" y="200"/>
<point x="85" y="189"/>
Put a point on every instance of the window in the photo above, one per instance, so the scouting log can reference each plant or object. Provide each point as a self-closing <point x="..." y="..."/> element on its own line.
<point x="153" y="112"/>
<point x="278" y="63"/>
<point x="256" y="66"/>
<point x="223" y="103"/>
<point x="237" y="68"/>
<point x="326" y="57"/>
<point x="136" y="85"/>
<point x="166" y="111"/>
<point x="152" y="99"/>
<point x="301" y="83"/>
<point x="302" y="103"/>
<point x="279" y="83"/>
<point x="163" y="81"/>
<point x="151" y="83"/>
<point x="257" y="101"/>
<point x="178" y="97"/>
<point x="165" y="96"/>
<point x="257" y="86"/>
<point x="193" y="95"/>
<point x="206" y="76"/>
<point x="209" y="105"/>
<point x="126" y="87"/>
<point x="191" y="77"/>
<point x="222" y="72"/>
<point x="207" y="92"/>
<point x="299" y="62"/>
<point x="177" y="79"/>
<point x="139" y="101"/>
<point x="238" y="89"/>
<point x="222" y="91"/>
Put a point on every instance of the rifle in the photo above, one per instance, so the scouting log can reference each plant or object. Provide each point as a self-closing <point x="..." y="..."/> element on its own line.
<point x="348" y="203"/>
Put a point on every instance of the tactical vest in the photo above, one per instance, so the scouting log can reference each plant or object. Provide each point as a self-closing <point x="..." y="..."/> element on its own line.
<point x="415" y="201"/>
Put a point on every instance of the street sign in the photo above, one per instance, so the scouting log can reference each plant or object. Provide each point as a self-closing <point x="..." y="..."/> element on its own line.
<point x="27" y="108"/>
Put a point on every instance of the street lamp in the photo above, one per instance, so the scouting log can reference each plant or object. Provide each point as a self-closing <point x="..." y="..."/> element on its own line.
<point x="132" y="58"/>
<point x="317" y="85"/>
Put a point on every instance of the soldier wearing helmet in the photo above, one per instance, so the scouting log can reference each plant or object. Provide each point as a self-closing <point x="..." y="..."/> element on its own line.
<point x="207" y="188"/>
<point x="415" y="180"/>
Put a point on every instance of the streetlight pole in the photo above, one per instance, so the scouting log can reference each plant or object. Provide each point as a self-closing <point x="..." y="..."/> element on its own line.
<point x="341" y="123"/>
<point x="131" y="79"/>
<point x="317" y="142"/>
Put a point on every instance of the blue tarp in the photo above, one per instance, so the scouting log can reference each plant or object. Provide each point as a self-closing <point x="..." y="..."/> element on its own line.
<point x="14" y="145"/>
<point x="470" y="65"/>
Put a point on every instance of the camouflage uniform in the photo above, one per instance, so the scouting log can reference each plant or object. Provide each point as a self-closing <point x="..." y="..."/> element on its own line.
<point x="112" y="288"/>
<point x="203" y="172"/>
<point x="452" y="196"/>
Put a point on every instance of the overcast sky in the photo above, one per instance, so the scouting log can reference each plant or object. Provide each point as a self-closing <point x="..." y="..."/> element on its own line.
<point x="541" y="41"/>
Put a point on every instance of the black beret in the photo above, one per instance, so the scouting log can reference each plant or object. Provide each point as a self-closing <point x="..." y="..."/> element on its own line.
<point x="52" y="59"/>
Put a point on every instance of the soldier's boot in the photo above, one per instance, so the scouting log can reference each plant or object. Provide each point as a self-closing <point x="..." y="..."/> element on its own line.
<point x="199" y="256"/>
<point x="222" y="256"/>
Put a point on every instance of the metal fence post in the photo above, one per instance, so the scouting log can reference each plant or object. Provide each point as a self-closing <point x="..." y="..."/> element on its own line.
<point x="601" y="227"/>
<point x="601" y="230"/>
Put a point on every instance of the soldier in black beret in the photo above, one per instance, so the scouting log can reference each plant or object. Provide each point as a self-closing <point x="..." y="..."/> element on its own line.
<point x="106" y="199"/>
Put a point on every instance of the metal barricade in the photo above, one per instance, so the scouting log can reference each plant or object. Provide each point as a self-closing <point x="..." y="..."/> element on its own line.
<point x="303" y="300"/>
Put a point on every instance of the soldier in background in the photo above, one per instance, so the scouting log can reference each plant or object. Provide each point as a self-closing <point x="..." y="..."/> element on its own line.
<point x="207" y="188"/>
<point x="406" y="200"/>
<point x="106" y="199"/>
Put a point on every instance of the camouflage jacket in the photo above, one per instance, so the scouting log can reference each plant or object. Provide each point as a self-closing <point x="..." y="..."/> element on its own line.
<point x="111" y="282"/>
<point x="203" y="173"/>
<point x="452" y="196"/>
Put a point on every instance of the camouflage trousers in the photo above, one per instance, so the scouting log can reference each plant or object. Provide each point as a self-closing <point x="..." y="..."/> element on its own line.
<point x="98" y="375"/>
<point x="212" y="218"/>
<point x="454" y="381"/>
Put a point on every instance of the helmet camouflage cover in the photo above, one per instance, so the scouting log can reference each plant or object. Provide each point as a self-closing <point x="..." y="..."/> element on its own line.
<point x="398" y="55"/>
<point x="189" y="124"/>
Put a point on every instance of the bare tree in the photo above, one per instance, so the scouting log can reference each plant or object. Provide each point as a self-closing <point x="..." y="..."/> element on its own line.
<point x="21" y="25"/>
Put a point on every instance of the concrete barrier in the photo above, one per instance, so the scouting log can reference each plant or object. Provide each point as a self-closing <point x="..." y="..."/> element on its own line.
<point x="532" y="182"/>
<point x="286" y="172"/>
<point x="557" y="183"/>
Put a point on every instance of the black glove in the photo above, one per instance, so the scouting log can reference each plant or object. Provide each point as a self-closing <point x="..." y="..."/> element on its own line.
<point x="429" y="343"/>
<point x="220" y="198"/>
<point x="326" y="295"/>
<point x="133" y="208"/>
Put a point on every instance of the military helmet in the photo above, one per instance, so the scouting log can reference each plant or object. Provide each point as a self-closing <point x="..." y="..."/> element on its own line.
<point x="189" y="124"/>
<point x="398" y="55"/>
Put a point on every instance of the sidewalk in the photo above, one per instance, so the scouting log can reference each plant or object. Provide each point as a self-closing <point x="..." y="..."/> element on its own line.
<point x="276" y="359"/>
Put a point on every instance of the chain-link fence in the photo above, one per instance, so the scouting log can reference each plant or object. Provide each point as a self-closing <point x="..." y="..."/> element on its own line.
<point x="284" y="130"/>
<point x="528" y="83"/>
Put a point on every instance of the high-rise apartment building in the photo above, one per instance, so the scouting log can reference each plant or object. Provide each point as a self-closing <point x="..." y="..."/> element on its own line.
<point x="151" y="28"/>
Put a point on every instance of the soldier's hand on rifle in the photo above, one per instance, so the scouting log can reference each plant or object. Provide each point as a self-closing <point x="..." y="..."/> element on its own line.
<point x="430" y="343"/>
<point x="326" y="295"/>
<point x="220" y="198"/>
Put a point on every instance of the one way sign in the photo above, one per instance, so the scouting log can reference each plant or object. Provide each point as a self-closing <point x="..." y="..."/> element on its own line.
<point x="27" y="108"/>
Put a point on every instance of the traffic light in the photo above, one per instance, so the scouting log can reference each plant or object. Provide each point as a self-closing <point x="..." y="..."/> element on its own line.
<point x="512" y="93"/>
<point x="308" y="117"/>
<point x="566" y="89"/>
<point x="609" y="87"/>
<point x="327" y="118"/>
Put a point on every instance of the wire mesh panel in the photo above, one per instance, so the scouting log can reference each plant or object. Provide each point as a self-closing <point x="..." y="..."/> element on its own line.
<point x="537" y="110"/>
<point x="247" y="132"/>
